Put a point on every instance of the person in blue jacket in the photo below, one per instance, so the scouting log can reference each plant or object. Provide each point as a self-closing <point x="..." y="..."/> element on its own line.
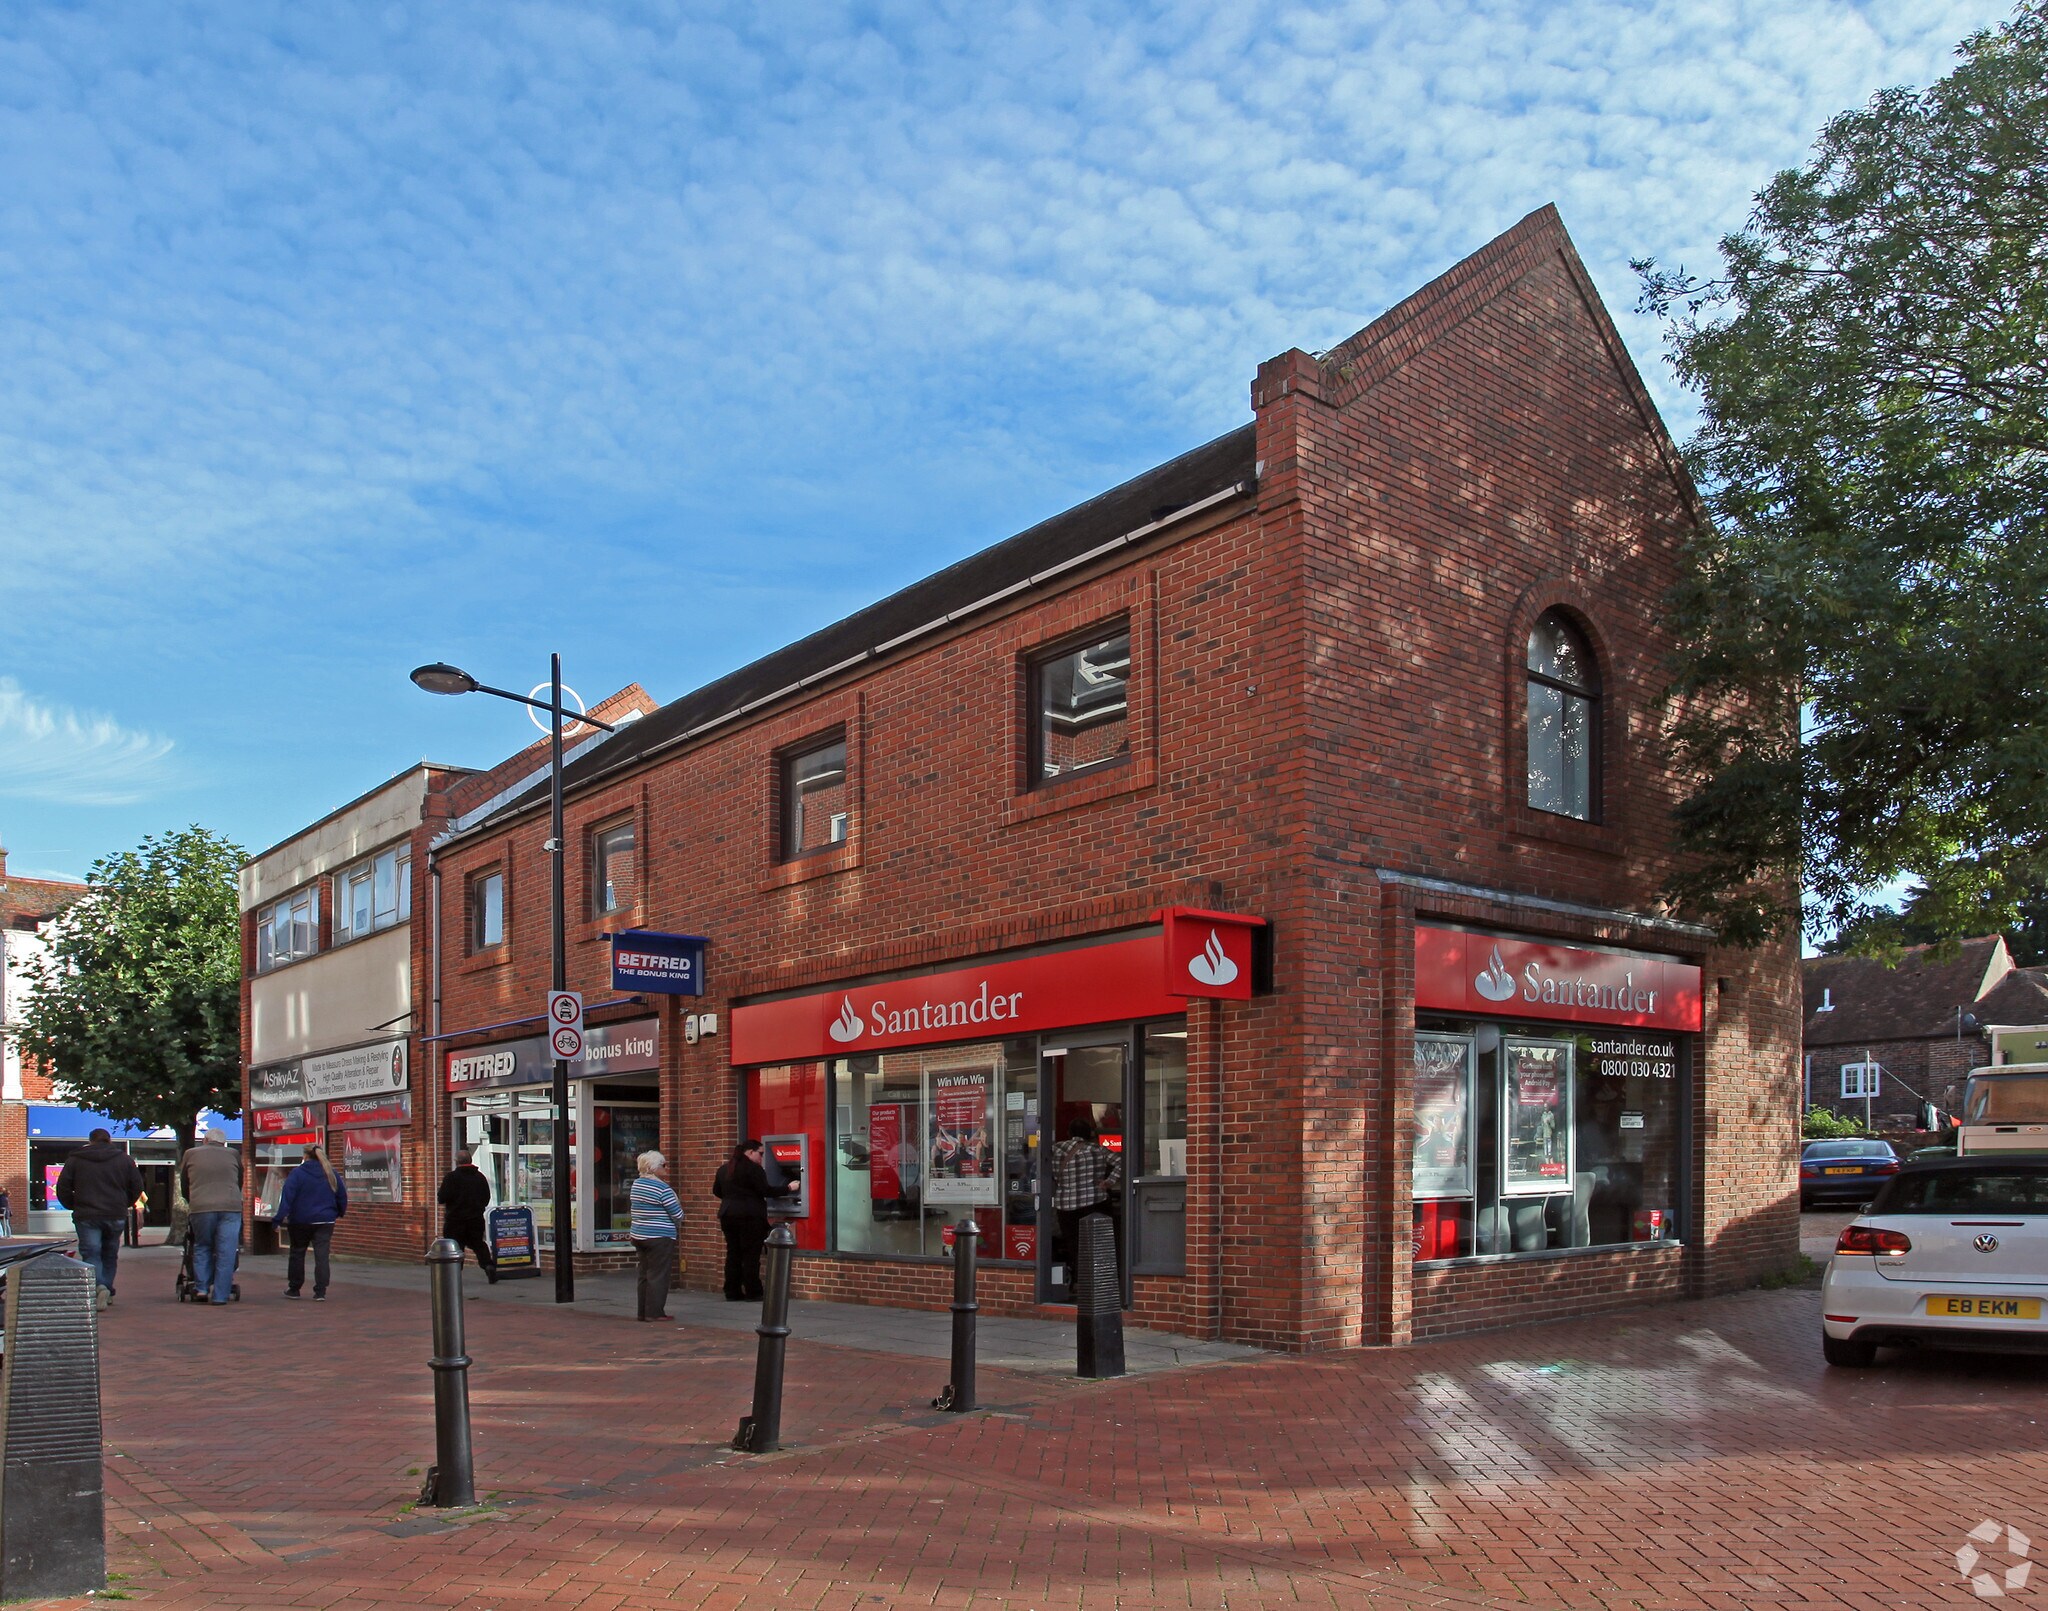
<point x="314" y="1197"/>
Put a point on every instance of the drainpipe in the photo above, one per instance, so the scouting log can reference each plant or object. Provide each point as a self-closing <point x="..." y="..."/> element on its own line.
<point x="427" y="1084"/>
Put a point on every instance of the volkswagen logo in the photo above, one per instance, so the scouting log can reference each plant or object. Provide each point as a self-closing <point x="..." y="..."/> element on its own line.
<point x="1985" y="1242"/>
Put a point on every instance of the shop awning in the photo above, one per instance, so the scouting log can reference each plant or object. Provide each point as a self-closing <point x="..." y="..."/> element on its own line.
<point x="49" y="1122"/>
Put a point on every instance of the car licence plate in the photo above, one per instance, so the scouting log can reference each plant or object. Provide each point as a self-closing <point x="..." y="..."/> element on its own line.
<point x="1986" y="1308"/>
<point x="1847" y="1169"/>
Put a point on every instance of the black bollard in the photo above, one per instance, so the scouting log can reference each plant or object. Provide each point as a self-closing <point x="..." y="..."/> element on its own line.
<point x="761" y="1432"/>
<point x="1098" y="1301"/>
<point x="959" y="1392"/>
<point x="452" y="1480"/>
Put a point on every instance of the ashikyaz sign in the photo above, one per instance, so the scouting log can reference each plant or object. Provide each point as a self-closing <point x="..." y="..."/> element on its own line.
<point x="1466" y="971"/>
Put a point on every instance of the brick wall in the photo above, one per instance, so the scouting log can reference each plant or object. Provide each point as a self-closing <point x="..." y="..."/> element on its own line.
<point x="1327" y="688"/>
<point x="1926" y="1068"/>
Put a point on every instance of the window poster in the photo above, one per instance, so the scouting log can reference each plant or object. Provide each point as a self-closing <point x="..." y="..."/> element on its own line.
<point x="885" y="1152"/>
<point x="370" y="1164"/>
<point x="960" y="1167"/>
<point x="1443" y="1117"/>
<point x="1536" y="1106"/>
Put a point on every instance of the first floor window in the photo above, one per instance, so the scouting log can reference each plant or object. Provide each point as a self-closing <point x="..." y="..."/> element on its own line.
<point x="487" y="910"/>
<point x="288" y="929"/>
<point x="1564" y="721"/>
<point x="614" y="871"/>
<point x="1080" y="705"/>
<point x="1533" y="1137"/>
<point x="375" y="894"/>
<point x="814" y="798"/>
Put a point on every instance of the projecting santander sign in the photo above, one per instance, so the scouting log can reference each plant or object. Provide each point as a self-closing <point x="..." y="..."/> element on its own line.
<point x="1463" y="971"/>
<point x="1151" y="976"/>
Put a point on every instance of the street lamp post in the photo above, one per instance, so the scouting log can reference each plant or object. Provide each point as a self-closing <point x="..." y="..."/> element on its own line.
<point x="442" y="678"/>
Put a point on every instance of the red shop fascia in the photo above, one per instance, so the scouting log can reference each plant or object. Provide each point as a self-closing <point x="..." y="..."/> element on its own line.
<point x="900" y="1107"/>
<point x="1551" y="1098"/>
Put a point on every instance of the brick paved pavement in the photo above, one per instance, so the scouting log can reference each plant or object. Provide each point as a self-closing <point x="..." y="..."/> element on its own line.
<point x="1698" y="1456"/>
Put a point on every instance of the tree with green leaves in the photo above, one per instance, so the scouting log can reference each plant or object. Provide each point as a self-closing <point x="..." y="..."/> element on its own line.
<point x="1872" y="367"/>
<point x="137" y="1008"/>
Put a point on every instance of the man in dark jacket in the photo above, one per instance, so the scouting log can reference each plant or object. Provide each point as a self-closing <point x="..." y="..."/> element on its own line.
<point x="465" y="1194"/>
<point x="99" y="1183"/>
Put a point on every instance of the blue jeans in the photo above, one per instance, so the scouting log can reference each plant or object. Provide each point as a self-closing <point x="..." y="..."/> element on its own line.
<point x="216" y="1241"/>
<point x="99" y="1245"/>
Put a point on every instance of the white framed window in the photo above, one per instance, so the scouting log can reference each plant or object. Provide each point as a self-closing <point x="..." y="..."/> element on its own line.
<point x="1859" y="1080"/>
<point x="374" y="894"/>
<point x="487" y="910"/>
<point x="614" y="879"/>
<point x="288" y="929"/>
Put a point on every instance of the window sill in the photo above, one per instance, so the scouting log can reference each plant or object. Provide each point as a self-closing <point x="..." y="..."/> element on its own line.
<point x="818" y="864"/>
<point x="1526" y="822"/>
<point x="499" y="956"/>
<point x="1469" y="1260"/>
<point x="1068" y="794"/>
<point x="596" y="928"/>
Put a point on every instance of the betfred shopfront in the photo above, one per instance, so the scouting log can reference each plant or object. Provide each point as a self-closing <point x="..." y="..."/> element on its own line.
<point x="502" y="1112"/>
<point x="900" y="1106"/>
<point x="1551" y="1104"/>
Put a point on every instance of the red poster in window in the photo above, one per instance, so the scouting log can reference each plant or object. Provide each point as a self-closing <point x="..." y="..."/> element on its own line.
<point x="885" y="1135"/>
<point x="1465" y="971"/>
<point x="1021" y="1242"/>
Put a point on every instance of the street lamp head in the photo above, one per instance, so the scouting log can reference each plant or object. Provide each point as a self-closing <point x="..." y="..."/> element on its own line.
<point x="442" y="678"/>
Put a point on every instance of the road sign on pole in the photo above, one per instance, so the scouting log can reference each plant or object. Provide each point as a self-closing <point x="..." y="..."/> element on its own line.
<point x="565" y="1024"/>
<point x="568" y="1043"/>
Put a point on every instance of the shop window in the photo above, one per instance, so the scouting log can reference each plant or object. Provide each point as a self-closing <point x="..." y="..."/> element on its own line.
<point x="1159" y="1193"/>
<point x="1080" y="705"/>
<point x="814" y="798"/>
<point x="1532" y="1138"/>
<point x="511" y="1138"/>
<point x="288" y="930"/>
<point x="1564" y="721"/>
<point x="372" y="895"/>
<point x="487" y="910"/>
<point x="614" y="869"/>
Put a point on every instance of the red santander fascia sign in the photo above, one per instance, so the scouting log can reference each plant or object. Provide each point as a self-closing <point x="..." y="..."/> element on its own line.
<point x="1464" y="971"/>
<point x="1150" y="976"/>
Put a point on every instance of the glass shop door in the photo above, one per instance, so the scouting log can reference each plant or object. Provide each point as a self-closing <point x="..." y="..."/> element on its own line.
<point x="1078" y="1083"/>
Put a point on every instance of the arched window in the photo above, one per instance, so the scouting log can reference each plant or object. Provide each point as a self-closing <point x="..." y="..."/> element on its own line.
<point x="1564" y="721"/>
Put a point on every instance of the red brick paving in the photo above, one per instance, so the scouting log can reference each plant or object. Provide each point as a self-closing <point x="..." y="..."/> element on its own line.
<point x="1698" y="1456"/>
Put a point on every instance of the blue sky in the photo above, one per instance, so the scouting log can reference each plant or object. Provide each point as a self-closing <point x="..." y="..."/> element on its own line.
<point x="339" y="338"/>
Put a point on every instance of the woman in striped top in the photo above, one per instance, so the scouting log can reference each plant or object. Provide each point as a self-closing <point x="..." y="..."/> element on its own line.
<point x="657" y="1217"/>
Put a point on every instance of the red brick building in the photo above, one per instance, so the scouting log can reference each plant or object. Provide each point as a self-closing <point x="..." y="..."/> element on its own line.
<point x="1296" y="813"/>
<point x="26" y="904"/>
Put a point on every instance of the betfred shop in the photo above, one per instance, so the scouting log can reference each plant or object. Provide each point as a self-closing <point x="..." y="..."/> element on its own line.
<point x="898" y="1108"/>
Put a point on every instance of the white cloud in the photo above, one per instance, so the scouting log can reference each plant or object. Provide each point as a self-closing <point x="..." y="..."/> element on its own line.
<point x="70" y="758"/>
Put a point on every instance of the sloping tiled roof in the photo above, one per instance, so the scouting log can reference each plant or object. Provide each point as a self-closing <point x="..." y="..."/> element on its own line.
<point x="2021" y="997"/>
<point x="1213" y="468"/>
<point x="1914" y="1001"/>
<point x="30" y="900"/>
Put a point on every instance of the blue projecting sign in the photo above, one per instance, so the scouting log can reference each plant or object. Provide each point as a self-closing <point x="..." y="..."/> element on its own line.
<point x="668" y="964"/>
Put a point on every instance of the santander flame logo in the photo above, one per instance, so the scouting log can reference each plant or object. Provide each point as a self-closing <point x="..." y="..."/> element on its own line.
<point x="847" y="1026"/>
<point x="1212" y="967"/>
<point x="1494" y="982"/>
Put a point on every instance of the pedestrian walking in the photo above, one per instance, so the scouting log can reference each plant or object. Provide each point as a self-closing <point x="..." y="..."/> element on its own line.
<point x="657" y="1222"/>
<point x="211" y="1174"/>
<point x="313" y="1199"/>
<point x="465" y="1196"/>
<point x="6" y="1215"/>
<point x="99" y="1183"/>
<point x="742" y="1189"/>
<point x="1085" y="1174"/>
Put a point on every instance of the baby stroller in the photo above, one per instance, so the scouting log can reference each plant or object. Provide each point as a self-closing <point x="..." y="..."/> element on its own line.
<point x="188" y="1283"/>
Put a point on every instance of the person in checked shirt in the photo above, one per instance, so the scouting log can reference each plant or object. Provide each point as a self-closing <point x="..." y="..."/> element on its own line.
<point x="1085" y="1177"/>
<point x="657" y="1218"/>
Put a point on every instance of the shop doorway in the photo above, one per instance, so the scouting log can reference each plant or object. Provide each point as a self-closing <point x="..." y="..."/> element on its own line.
<point x="1080" y="1083"/>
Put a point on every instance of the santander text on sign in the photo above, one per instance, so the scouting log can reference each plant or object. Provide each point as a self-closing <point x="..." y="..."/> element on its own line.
<point x="1465" y="971"/>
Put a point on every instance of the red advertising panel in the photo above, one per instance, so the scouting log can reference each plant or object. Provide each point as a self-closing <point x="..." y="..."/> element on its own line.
<point x="1209" y="953"/>
<point x="885" y="1135"/>
<point x="1458" y="970"/>
<point x="1092" y="984"/>
<point x="271" y="1124"/>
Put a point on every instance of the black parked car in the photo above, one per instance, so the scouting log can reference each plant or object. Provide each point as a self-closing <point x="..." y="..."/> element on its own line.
<point x="1844" y="1171"/>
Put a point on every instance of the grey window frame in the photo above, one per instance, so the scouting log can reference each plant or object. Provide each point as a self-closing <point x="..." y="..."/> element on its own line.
<point x="789" y="798"/>
<point x="1038" y="718"/>
<point x="600" y="882"/>
<point x="1593" y="697"/>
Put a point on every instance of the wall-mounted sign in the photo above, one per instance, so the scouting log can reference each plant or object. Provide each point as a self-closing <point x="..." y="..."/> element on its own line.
<point x="270" y="1124"/>
<point x="281" y="1085"/>
<point x="1467" y="971"/>
<point x="360" y="1111"/>
<point x="360" y="1071"/>
<point x="372" y="1164"/>
<point x="1209" y="953"/>
<point x="666" y="964"/>
<point x="629" y="1048"/>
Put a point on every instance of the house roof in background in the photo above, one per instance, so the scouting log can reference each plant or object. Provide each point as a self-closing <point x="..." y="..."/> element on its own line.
<point x="1917" y="1000"/>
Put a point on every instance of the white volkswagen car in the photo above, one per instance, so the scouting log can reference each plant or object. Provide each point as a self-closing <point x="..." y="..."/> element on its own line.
<point x="1950" y="1254"/>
